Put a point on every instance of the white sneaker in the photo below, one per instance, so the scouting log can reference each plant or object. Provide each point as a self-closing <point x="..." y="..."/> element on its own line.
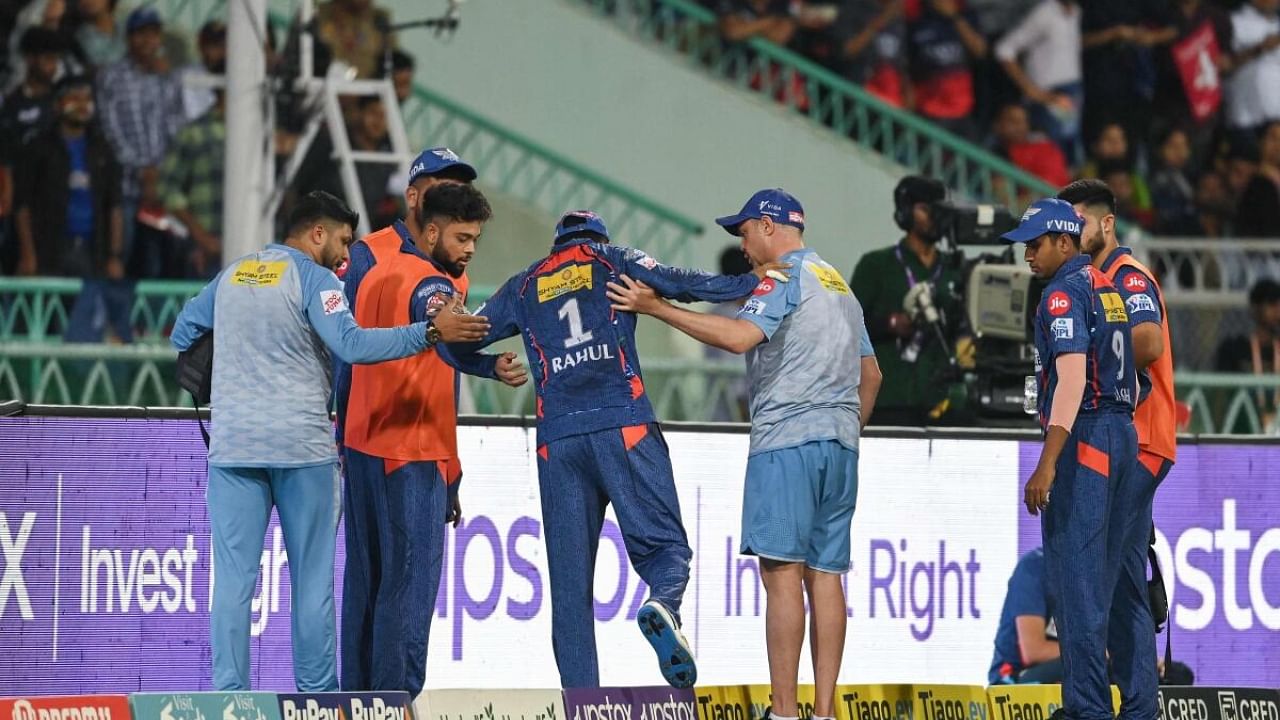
<point x="675" y="659"/>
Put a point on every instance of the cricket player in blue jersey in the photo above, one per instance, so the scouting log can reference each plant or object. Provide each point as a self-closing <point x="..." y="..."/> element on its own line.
<point x="814" y="379"/>
<point x="277" y="314"/>
<point x="1087" y="391"/>
<point x="598" y="439"/>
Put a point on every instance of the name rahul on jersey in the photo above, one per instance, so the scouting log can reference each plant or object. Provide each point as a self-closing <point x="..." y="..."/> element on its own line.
<point x="580" y="356"/>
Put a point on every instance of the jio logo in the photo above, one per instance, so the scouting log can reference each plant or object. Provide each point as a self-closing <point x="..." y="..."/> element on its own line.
<point x="1059" y="303"/>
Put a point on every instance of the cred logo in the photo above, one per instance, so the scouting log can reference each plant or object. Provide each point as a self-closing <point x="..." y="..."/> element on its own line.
<point x="1059" y="304"/>
<point x="1135" y="283"/>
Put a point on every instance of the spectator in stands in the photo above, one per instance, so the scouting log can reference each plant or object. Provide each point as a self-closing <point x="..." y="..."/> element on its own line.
<point x="875" y="47"/>
<point x="141" y="105"/>
<point x="1133" y="201"/>
<point x="1252" y="99"/>
<point x="100" y="35"/>
<point x="1111" y="148"/>
<point x="1259" y="213"/>
<point x="369" y="134"/>
<point x="25" y="112"/>
<point x="1119" y="70"/>
<point x="68" y="214"/>
<point x="1238" y="167"/>
<point x="1214" y="206"/>
<point x="742" y="20"/>
<point x="1027" y="649"/>
<point x="190" y="186"/>
<point x="942" y="42"/>
<point x="1189" y="75"/>
<point x="358" y="33"/>
<point x="1172" y="194"/>
<point x="1258" y="353"/>
<point x="1032" y="152"/>
<point x="1042" y="57"/>
<point x="198" y="97"/>
<point x="46" y="15"/>
<point x="29" y="108"/>
<point x="402" y="67"/>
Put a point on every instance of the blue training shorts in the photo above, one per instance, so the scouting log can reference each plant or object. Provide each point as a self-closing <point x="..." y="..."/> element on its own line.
<point x="798" y="504"/>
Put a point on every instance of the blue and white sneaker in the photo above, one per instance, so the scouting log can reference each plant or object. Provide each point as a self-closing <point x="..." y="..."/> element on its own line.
<point x="675" y="659"/>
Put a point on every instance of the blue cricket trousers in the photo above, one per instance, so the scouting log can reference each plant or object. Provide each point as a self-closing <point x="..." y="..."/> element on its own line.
<point x="395" y="533"/>
<point x="1085" y="528"/>
<point x="307" y="501"/>
<point x="1131" y="632"/>
<point x="578" y="477"/>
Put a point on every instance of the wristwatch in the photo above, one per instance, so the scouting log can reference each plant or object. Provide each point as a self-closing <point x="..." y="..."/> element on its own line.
<point x="433" y="334"/>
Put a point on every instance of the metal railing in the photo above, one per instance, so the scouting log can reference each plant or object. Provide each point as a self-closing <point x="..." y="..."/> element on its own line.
<point x="798" y="83"/>
<point x="36" y="308"/>
<point x="1209" y="272"/>
<point x="143" y="374"/>
<point x="680" y="390"/>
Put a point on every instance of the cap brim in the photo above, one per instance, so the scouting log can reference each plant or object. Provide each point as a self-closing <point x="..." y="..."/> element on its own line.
<point x="1022" y="234"/>
<point x="730" y="223"/>
<point x="470" y="172"/>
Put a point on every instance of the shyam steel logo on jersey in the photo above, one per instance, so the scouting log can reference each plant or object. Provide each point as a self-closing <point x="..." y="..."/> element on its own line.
<point x="258" y="274"/>
<point x="563" y="282"/>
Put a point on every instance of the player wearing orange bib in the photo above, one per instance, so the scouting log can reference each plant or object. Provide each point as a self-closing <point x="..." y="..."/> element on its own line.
<point x="1131" y="636"/>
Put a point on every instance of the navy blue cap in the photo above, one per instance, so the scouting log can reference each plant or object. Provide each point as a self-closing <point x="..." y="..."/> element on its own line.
<point x="577" y="221"/>
<point x="777" y="203"/>
<point x="1049" y="215"/>
<point x="435" y="160"/>
<point x="145" y="16"/>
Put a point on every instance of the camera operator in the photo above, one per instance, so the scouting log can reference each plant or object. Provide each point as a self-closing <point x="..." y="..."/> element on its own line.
<point x="911" y="294"/>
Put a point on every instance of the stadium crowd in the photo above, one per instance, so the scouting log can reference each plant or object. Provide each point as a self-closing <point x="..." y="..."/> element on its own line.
<point x="1173" y="104"/>
<point x="129" y="110"/>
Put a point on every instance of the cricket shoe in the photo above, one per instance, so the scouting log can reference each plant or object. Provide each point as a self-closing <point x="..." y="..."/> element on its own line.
<point x="675" y="659"/>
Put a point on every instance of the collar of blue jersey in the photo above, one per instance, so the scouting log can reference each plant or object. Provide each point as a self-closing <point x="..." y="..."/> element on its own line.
<point x="1114" y="257"/>
<point x="1072" y="265"/>
<point x="407" y="245"/>
<point x="293" y="250"/>
<point x="406" y="237"/>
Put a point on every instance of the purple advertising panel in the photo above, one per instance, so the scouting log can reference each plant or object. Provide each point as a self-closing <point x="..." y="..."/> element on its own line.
<point x="629" y="703"/>
<point x="106" y="561"/>
<point x="1217" y="519"/>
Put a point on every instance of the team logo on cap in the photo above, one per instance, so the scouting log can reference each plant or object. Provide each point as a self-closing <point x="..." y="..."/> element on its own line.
<point x="1059" y="303"/>
<point x="446" y="154"/>
<point x="1031" y="211"/>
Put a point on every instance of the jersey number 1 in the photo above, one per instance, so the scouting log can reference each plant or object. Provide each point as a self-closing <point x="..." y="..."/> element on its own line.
<point x="569" y="311"/>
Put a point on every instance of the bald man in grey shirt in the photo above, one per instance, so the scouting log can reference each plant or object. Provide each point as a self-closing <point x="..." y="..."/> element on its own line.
<point x="813" y="379"/>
